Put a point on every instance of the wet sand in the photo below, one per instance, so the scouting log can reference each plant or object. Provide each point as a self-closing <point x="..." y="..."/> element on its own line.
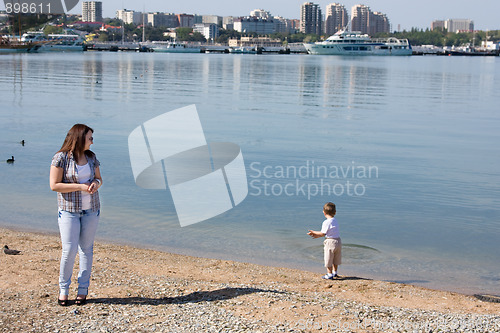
<point x="143" y="290"/>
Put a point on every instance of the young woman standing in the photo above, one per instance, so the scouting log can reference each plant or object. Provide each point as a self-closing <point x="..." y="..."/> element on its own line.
<point x="76" y="177"/>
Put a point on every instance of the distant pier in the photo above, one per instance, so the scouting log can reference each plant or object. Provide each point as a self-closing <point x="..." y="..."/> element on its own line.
<point x="209" y="48"/>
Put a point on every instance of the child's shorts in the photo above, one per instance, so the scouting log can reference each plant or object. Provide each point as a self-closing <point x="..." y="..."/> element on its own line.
<point x="333" y="251"/>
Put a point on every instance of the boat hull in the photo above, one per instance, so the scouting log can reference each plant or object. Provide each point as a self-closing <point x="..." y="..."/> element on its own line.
<point x="18" y="48"/>
<point x="176" y="50"/>
<point x="61" y="48"/>
<point x="364" y="49"/>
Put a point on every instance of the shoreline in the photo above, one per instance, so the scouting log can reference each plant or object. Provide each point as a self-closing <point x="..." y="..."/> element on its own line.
<point x="317" y="269"/>
<point x="139" y="289"/>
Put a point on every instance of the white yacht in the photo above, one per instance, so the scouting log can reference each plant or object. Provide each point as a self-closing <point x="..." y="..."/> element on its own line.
<point x="355" y="43"/>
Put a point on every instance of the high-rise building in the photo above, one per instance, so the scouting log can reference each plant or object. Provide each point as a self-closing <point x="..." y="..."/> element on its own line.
<point x="92" y="11"/>
<point x="379" y="23"/>
<point x="162" y="20"/>
<point x="368" y="22"/>
<point x="255" y="24"/>
<point x="209" y="30"/>
<point x="260" y="13"/>
<point x="360" y="18"/>
<point x="336" y="18"/>
<point x="129" y="16"/>
<point x="453" y="25"/>
<point x="228" y="22"/>
<point x="284" y="25"/>
<point x="212" y="19"/>
<point x="311" y="21"/>
<point x="185" y="20"/>
<point x="458" y="25"/>
<point x="438" y="24"/>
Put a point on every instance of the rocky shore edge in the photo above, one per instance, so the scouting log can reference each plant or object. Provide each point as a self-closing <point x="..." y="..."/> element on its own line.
<point x="140" y="290"/>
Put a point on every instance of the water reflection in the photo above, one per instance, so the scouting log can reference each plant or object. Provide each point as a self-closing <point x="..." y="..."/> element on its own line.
<point x="93" y="77"/>
<point x="337" y="83"/>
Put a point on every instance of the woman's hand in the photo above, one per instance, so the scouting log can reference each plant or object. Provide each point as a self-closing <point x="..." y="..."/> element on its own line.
<point x="93" y="186"/>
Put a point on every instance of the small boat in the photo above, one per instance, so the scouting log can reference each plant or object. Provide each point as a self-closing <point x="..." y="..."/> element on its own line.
<point x="174" y="47"/>
<point x="355" y="43"/>
<point x="243" y="50"/>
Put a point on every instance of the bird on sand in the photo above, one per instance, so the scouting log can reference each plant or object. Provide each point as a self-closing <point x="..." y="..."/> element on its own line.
<point x="6" y="250"/>
<point x="10" y="160"/>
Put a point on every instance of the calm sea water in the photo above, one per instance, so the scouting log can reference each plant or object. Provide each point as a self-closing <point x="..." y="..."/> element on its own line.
<point x="407" y="147"/>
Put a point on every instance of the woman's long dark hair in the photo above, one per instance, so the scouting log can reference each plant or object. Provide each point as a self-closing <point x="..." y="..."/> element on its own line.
<point x="75" y="141"/>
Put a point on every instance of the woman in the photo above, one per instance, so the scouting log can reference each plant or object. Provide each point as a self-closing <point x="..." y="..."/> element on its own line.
<point x="75" y="176"/>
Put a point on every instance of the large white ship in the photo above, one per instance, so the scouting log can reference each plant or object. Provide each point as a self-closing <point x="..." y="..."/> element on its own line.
<point x="355" y="43"/>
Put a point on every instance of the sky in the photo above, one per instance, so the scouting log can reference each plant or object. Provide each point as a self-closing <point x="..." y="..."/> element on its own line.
<point x="405" y="13"/>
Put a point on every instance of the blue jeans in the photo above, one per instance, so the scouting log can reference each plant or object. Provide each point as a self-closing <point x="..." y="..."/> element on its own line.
<point x="77" y="235"/>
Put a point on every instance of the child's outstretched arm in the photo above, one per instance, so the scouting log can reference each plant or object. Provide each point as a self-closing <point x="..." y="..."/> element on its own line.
<point x="315" y="234"/>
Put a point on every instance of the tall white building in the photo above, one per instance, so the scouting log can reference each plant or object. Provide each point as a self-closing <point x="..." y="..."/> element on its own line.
<point x="453" y="25"/>
<point x="129" y="16"/>
<point x="209" y="30"/>
<point x="255" y="24"/>
<point x="311" y="21"/>
<point x="228" y="22"/>
<point x="283" y="25"/>
<point x="212" y="19"/>
<point x="92" y="11"/>
<point x="458" y="25"/>
<point x="260" y="13"/>
<point x="368" y="22"/>
<point x="336" y="18"/>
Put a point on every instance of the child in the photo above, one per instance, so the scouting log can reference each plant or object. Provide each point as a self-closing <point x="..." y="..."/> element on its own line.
<point x="332" y="243"/>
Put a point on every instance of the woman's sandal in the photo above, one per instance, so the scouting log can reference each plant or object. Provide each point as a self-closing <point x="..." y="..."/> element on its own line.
<point x="63" y="302"/>
<point x="81" y="301"/>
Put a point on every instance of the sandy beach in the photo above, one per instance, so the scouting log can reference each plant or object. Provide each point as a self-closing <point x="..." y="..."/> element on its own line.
<point x="141" y="290"/>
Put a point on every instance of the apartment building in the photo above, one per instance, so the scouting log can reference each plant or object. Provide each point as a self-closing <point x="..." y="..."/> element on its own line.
<point x="186" y="20"/>
<point x="336" y="18"/>
<point x="209" y="30"/>
<point x="261" y="13"/>
<point x="454" y="25"/>
<point x="129" y="16"/>
<point x="311" y="19"/>
<point x="92" y="11"/>
<point x="255" y="24"/>
<point x="212" y="19"/>
<point x="368" y="22"/>
<point x="159" y="19"/>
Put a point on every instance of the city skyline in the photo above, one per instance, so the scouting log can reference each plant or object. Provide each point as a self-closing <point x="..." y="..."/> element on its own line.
<point x="420" y="14"/>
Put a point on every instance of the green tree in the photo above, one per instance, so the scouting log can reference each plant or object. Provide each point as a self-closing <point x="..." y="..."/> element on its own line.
<point x="52" y="29"/>
<point x="225" y="35"/>
<point x="183" y="33"/>
<point x="26" y="22"/>
<point x="103" y="37"/>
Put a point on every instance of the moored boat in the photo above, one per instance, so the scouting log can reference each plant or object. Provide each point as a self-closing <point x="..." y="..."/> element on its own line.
<point x="355" y="43"/>
<point x="174" y="47"/>
<point x="56" y="42"/>
<point x="243" y="50"/>
<point x="8" y="45"/>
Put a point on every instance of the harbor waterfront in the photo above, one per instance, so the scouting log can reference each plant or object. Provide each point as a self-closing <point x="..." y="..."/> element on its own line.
<point x="405" y="146"/>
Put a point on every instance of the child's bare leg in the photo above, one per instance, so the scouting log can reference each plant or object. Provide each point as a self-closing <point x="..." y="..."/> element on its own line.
<point x="329" y="270"/>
